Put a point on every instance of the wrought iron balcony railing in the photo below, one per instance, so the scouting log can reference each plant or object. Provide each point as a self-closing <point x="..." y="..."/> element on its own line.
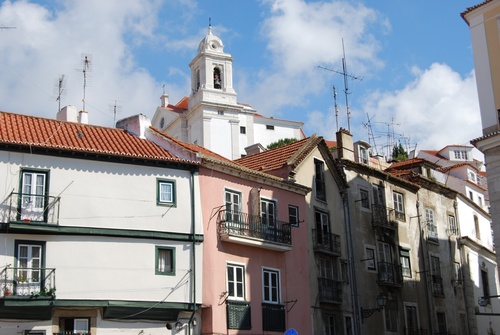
<point x="273" y="317"/>
<point x="253" y="226"/>
<point x="384" y="217"/>
<point x="390" y="274"/>
<point x="326" y="242"/>
<point x="330" y="290"/>
<point x="30" y="208"/>
<point x="33" y="282"/>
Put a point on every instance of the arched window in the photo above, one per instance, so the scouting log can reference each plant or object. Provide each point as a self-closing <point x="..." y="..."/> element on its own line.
<point x="217" y="78"/>
<point x="197" y="80"/>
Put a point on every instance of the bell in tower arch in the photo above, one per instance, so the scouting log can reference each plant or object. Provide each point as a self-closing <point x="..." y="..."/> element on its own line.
<point x="217" y="78"/>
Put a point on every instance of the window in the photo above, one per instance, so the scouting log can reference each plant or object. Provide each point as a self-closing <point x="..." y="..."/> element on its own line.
<point x="233" y="205"/>
<point x="452" y="224"/>
<point x="235" y="282"/>
<point x="348" y="326"/>
<point x="486" y="285"/>
<point x="363" y="155"/>
<point x="74" y="325"/>
<point x="165" y="192"/>
<point x="322" y="228"/>
<point x="344" y="268"/>
<point x="220" y="112"/>
<point x="165" y="261"/>
<point x="471" y="195"/>
<point x="243" y="130"/>
<point x="269" y="127"/>
<point x="378" y="195"/>
<point x="386" y="271"/>
<point x="34" y="195"/>
<point x="319" y="180"/>
<point x="29" y="267"/>
<point x="399" y="206"/>
<point x="460" y="155"/>
<point x="365" y="201"/>
<point x="370" y="258"/>
<point x="330" y="325"/>
<point x="271" y="286"/>
<point x="437" y="280"/>
<point x="457" y="274"/>
<point x="391" y="316"/>
<point x="268" y="212"/>
<point x="441" y="319"/>
<point x="432" y="233"/>
<point x="477" y="233"/>
<point x="411" y="318"/>
<point x="293" y="215"/>
<point x="404" y="256"/>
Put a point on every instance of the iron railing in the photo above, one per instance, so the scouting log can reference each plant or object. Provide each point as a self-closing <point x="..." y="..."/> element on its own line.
<point x="390" y="274"/>
<point x="23" y="207"/>
<point x="273" y="317"/>
<point x="437" y="285"/>
<point x="384" y="217"/>
<point x="254" y="226"/>
<point x="34" y="282"/>
<point x="330" y="290"/>
<point x="326" y="242"/>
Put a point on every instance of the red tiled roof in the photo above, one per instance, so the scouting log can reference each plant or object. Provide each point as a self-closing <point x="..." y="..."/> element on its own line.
<point x="470" y="9"/>
<point x="406" y="163"/>
<point x="275" y="158"/>
<point x="37" y="132"/>
<point x="331" y="144"/>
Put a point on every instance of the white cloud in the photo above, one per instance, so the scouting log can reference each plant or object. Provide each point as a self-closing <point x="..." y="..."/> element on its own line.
<point x="436" y="109"/>
<point x="47" y="44"/>
<point x="304" y="35"/>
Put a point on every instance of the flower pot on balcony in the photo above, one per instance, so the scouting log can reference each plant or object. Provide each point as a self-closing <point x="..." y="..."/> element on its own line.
<point x="7" y="292"/>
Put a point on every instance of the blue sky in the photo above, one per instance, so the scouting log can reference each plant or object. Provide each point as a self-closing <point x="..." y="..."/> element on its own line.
<point x="414" y="58"/>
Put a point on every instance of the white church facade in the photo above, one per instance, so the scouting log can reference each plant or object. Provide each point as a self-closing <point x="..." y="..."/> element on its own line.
<point x="212" y="117"/>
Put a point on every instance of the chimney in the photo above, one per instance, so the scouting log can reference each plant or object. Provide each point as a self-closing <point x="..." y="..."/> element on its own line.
<point x="68" y="113"/>
<point x="135" y="124"/>
<point x="345" y="145"/>
<point x="253" y="149"/>
<point x="164" y="100"/>
<point x="83" y="117"/>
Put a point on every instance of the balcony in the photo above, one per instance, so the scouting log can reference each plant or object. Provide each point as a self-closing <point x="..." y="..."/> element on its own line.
<point x="273" y="317"/>
<point x="437" y="286"/>
<point x="326" y="243"/>
<point x="390" y="274"/>
<point x="255" y="231"/>
<point x="383" y="217"/>
<point x="330" y="290"/>
<point x="238" y="315"/>
<point x="28" y="282"/>
<point x="21" y="207"/>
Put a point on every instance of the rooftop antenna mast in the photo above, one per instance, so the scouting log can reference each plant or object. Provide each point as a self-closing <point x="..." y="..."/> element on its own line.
<point x="371" y="137"/>
<point x="116" y="109"/>
<point x="60" y="84"/>
<point x="336" y="107"/>
<point x="346" y="86"/>
<point x="87" y="67"/>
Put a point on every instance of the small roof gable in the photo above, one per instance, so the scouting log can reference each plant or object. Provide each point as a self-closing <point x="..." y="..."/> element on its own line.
<point x="291" y="154"/>
<point x="37" y="132"/>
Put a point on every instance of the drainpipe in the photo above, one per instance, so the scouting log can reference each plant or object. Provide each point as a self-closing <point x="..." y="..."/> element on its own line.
<point x="424" y="256"/>
<point x="193" y="255"/>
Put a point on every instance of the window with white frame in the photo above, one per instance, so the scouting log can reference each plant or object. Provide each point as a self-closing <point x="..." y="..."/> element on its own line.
<point x="293" y="215"/>
<point x="74" y="325"/>
<point x="322" y="235"/>
<point x="404" y="257"/>
<point x="165" y="261"/>
<point x="29" y="256"/>
<point x="411" y="318"/>
<point x="460" y="155"/>
<point x="268" y="212"/>
<point x="391" y="315"/>
<point x="399" y="206"/>
<point x="363" y="155"/>
<point x="165" y="192"/>
<point x="235" y="282"/>
<point x="232" y="205"/>
<point x="34" y="194"/>
<point x="432" y="232"/>
<point x="271" y="286"/>
<point x="452" y="225"/>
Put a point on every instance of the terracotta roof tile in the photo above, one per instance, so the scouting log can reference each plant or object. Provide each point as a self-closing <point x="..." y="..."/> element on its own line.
<point x="275" y="158"/>
<point x="40" y="132"/>
<point x="408" y="163"/>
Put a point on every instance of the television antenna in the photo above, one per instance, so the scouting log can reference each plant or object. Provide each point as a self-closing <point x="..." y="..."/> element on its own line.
<point x="86" y="67"/>
<point x="346" y="76"/>
<point x="4" y="27"/>
<point x="116" y="109"/>
<point x="60" y="85"/>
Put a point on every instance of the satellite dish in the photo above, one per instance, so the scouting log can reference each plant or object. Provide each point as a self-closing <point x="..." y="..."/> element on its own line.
<point x="291" y="331"/>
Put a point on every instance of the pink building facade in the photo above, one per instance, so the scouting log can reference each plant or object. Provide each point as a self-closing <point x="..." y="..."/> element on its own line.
<point x="256" y="277"/>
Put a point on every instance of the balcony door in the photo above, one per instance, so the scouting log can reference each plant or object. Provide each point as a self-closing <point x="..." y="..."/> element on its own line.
<point x="29" y="258"/>
<point x="33" y="197"/>
<point x="322" y="229"/>
<point x="385" y="265"/>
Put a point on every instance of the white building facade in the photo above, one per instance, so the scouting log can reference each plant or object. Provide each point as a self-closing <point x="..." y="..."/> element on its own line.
<point x="101" y="232"/>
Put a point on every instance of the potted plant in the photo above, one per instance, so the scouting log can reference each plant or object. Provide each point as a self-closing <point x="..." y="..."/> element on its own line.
<point x="7" y="291"/>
